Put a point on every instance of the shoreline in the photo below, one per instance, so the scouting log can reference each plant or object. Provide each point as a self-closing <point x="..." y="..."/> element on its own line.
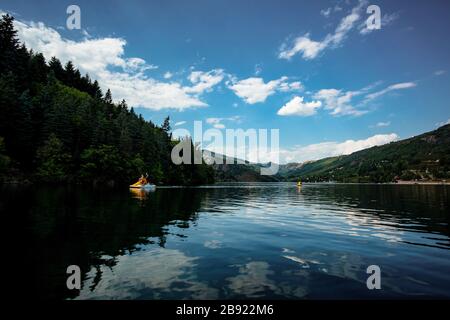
<point x="403" y="183"/>
<point x="422" y="182"/>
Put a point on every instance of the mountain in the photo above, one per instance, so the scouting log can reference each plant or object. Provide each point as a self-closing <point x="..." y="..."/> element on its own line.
<point x="424" y="157"/>
<point x="237" y="170"/>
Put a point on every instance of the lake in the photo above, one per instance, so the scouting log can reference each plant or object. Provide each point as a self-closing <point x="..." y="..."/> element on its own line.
<point x="235" y="241"/>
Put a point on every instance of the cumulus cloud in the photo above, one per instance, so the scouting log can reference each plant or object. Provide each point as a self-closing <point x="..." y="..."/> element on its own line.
<point x="332" y="148"/>
<point x="299" y="108"/>
<point x="254" y="90"/>
<point x="338" y="101"/>
<point x="394" y="87"/>
<point x="217" y="122"/>
<point x="204" y="81"/>
<point x="293" y="86"/>
<point x="104" y="60"/>
<point x="310" y="49"/>
<point x="168" y="75"/>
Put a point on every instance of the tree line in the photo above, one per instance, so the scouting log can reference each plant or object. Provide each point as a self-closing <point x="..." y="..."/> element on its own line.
<point x="57" y="126"/>
<point x="423" y="158"/>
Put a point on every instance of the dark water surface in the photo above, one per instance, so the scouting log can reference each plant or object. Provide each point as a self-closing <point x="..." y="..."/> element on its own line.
<point x="236" y="241"/>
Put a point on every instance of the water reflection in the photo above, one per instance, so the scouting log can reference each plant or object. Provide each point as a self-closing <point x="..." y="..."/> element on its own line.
<point x="141" y="194"/>
<point x="154" y="274"/>
<point x="236" y="241"/>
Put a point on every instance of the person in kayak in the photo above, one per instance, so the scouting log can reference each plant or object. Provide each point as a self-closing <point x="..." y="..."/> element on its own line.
<point x="142" y="180"/>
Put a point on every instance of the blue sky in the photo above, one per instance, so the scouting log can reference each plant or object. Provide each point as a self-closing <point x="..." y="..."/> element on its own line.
<point x="308" y="68"/>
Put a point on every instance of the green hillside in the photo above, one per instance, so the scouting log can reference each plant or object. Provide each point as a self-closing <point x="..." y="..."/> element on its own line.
<point x="237" y="170"/>
<point x="57" y="126"/>
<point x="424" y="157"/>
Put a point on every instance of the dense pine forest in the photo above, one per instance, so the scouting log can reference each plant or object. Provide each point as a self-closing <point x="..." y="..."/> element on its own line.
<point x="57" y="126"/>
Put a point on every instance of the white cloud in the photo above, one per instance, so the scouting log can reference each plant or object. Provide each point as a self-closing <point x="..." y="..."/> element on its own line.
<point x="383" y="124"/>
<point x="300" y="153"/>
<point x="394" y="87"/>
<point x="204" y="81"/>
<point x="168" y="75"/>
<point x="217" y="122"/>
<point x="213" y="120"/>
<point x="180" y="123"/>
<point x="219" y="126"/>
<point x="86" y="33"/>
<point x="258" y="69"/>
<point x="329" y="149"/>
<point x="338" y="101"/>
<point x="440" y="124"/>
<point x="124" y="76"/>
<point x="254" y="90"/>
<point x="138" y="64"/>
<point x="293" y="86"/>
<point x="310" y="49"/>
<point x="439" y="72"/>
<point x="299" y="108"/>
<point x="326" y="12"/>
<point x="341" y="102"/>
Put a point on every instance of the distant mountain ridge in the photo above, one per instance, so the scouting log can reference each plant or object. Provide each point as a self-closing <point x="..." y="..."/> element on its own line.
<point x="424" y="157"/>
<point x="237" y="170"/>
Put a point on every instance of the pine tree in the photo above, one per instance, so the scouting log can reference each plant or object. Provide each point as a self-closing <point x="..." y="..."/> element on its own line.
<point x="96" y="91"/>
<point x="166" y="125"/>
<point x="57" y="124"/>
<point x="53" y="161"/>
<point x="37" y="68"/>
<point x="57" y="68"/>
<point x="69" y="74"/>
<point x="108" y="97"/>
<point x="9" y="44"/>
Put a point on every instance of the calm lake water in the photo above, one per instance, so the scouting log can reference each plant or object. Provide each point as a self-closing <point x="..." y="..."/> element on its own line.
<point x="235" y="241"/>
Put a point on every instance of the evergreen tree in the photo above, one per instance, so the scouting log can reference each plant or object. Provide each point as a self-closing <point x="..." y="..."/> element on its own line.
<point x="69" y="74"/>
<point x="96" y="91"/>
<point x="9" y="44"/>
<point x="56" y="125"/>
<point x="108" y="97"/>
<point x="53" y="161"/>
<point x="57" y="68"/>
<point x="166" y="125"/>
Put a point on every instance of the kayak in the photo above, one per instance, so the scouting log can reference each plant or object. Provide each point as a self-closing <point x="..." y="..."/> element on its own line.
<point x="147" y="186"/>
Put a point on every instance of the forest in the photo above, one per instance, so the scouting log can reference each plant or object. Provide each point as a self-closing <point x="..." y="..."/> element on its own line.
<point x="57" y="126"/>
<point x="425" y="157"/>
